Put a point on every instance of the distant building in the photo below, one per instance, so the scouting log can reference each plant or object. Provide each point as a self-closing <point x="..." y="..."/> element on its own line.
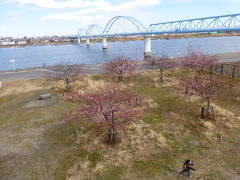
<point x="8" y="43"/>
<point x="22" y="42"/>
<point x="8" y="39"/>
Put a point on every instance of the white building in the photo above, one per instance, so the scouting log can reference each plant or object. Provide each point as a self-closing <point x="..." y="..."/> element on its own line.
<point x="22" y="42"/>
<point x="8" y="43"/>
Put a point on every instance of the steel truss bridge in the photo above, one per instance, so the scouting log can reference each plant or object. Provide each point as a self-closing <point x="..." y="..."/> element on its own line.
<point x="126" y="26"/>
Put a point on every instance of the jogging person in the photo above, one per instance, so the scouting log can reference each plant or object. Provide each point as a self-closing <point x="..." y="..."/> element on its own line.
<point x="187" y="166"/>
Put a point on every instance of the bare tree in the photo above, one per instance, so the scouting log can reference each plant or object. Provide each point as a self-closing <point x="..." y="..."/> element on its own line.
<point x="121" y="65"/>
<point x="67" y="73"/>
<point x="163" y="64"/>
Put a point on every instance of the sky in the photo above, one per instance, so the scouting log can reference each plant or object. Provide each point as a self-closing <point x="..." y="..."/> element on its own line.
<point x="64" y="17"/>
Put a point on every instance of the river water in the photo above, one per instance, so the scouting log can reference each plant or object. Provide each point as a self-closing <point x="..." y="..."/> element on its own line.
<point x="36" y="56"/>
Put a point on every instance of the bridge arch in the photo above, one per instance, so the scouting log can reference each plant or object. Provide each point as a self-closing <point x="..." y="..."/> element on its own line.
<point x="79" y="33"/>
<point x="94" y="29"/>
<point x="114" y="20"/>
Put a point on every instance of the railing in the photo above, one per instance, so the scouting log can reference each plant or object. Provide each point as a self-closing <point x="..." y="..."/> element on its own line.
<point x="229" y="70"/>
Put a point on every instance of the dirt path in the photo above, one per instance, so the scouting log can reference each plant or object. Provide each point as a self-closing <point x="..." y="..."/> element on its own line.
<point x="22" y="154"/>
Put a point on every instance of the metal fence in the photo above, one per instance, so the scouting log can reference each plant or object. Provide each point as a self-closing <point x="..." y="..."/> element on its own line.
<point x="229" y="70"/>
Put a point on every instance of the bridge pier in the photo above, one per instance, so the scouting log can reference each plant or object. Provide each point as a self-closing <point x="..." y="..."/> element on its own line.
<point x="147" y="52"/>
<point x="88" y="41"/>
<point x="79" y="40"/>
<point x="104" y="43"/>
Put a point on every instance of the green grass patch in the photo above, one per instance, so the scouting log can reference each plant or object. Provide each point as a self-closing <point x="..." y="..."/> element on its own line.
<point x="112" y="173"/>
<point x="95" y="157"/>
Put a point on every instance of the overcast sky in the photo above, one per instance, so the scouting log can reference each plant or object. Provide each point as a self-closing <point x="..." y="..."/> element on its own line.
<point x="65" y="17"/>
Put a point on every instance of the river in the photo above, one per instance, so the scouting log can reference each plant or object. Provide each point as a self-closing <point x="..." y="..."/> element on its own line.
<point x="36" y="56"/>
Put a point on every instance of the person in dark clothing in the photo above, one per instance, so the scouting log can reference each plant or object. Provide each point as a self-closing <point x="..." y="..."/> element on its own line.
<point x="187" y="166"/>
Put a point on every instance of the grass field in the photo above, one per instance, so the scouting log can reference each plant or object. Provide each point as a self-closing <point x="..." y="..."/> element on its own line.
<point x="34" y="146"/>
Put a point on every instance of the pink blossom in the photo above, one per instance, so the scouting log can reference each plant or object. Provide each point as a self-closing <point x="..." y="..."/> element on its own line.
<point x="77" y="142"/>
<point x="197" y="61"/>
<point x="202" y="86"/>
<point x="111" y="107"/>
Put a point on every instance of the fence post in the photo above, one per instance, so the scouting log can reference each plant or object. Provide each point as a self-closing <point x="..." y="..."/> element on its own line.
<point x="233" y="73"/>
<point x="222" y="70"/>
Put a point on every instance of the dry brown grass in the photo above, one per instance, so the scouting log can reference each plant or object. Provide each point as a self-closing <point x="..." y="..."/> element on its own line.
<point x="137" y="141"/>
<point x="23" y="86"/>
<point x="166" y="134"/>
<point x="151" y="148"/>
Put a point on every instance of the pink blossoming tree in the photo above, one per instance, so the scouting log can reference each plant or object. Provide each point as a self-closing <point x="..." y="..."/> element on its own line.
<point x="204" y="87"/>
<point x="110" y="107"/>
<point x="197" y="61"/>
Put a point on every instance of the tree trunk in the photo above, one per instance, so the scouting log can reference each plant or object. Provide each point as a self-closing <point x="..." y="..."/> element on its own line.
<point x="112" y="136"/>
<point x="161" y="76"/>
<point x="120" y="77"/>
<point x="186" y="91"/>
<point x="210" y="86"/>
<point x="208" y="106"/>
<point x="136" y="100"/>
<point x="68" y="85"/>
<point x="202" y="112"/>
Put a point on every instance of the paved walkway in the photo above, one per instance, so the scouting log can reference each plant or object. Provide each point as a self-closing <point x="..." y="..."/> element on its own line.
<point x="33" y="74"/>
<point x="45" y="73"/>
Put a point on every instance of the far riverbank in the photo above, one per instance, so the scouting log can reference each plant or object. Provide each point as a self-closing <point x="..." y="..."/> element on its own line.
<point x="170" y="36"/>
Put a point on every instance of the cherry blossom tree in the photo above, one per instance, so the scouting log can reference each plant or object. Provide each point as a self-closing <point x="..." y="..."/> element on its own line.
<point x="67" y="73"/>
<point x="163" y="64"/>
<point x="198" y="61"/>
<point x="110" y="107"/>
<point x="202" y="86"/>
<point x="121" y="65"/>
